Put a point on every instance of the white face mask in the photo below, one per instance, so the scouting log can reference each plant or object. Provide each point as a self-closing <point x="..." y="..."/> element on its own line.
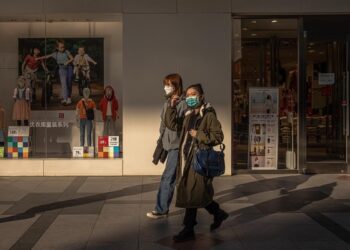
<point x="168" y="90"/>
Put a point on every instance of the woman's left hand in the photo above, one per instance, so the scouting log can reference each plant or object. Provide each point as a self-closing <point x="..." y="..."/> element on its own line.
<point x="193" y="133"/>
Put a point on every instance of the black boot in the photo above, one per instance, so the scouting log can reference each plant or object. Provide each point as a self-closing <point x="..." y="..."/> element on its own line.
<point x="185" y="234"/>
<point x="218" y="219"/>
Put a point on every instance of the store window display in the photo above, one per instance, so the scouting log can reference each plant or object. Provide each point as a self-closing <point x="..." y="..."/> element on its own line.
<point x="85" y="112"/>
<point x="109" y="108"/>
<point x="21" y="107"/>
<point x="56" y="61"/>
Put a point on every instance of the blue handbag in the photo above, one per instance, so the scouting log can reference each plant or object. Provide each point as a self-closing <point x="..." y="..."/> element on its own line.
<point x="208" y="162"/>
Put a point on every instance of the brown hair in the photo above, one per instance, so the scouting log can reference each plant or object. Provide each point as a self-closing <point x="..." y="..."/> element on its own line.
<point x="176" y="81"/>
<point x="59" y="41"/>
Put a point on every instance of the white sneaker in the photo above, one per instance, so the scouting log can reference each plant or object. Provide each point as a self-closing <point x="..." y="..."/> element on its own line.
<point x="156" y="215"/>
<point x="69" y="101"/>
<point x="63" y="101"/>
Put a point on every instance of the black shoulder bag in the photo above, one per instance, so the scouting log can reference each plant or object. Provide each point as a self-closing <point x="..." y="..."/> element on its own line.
<point x="208" y="162"/>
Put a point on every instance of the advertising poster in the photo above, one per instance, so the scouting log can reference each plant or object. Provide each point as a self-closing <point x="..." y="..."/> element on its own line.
<point x="55" y="68"/>
<point x="263" y="128"/>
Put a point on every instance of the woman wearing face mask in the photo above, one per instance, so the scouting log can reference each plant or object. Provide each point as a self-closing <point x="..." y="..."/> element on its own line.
<point x="201" y="128"/>
<point x="170" y="139"/>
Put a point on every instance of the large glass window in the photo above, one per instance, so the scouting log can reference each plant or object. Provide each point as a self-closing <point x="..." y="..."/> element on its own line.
<point x="328" y="92"/>
<point x="265" y="82"/>
<point x="61" y="89"/>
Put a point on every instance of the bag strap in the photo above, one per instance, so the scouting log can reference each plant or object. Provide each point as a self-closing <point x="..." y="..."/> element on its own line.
<point x="84" y="105"/>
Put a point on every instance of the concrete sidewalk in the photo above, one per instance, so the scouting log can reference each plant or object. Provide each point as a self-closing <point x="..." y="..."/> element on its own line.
<point x="266" y="212"/>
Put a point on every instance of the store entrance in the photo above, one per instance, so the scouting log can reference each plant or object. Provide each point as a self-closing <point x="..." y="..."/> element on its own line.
<point x="326" y="115"/>
<point x="264" y="93"/>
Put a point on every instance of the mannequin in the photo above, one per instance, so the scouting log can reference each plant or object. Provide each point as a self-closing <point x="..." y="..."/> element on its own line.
<point x="85" y="110"/>
<point x="109" y="109"/>
<point x="21" y="108"/>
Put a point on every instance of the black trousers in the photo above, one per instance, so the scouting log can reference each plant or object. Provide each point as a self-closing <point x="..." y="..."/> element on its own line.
<point x="191" y="214"/>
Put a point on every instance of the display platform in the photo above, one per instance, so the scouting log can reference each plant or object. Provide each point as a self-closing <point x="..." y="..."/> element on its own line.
<point x="61" y="167"/>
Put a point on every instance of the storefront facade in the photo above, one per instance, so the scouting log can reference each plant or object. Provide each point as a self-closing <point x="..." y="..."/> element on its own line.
<point x="232" y="47"/>
<point x="304" y="61"/>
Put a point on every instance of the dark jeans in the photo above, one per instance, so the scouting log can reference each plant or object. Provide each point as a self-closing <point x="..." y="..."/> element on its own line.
<point x="167" y="183"/>
<point x="191" y="214"/>
<point x="84" y="123"/>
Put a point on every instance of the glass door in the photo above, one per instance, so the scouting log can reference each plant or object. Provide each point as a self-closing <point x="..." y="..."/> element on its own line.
<point x="326" y="93"/>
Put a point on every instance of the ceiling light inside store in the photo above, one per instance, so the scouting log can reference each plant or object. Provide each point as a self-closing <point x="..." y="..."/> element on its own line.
<point x="254" y="21"/>
<point x="311" y="51"/>
<point x="274" y="21"/>
<point x="245" y="29"/>
<point x="253" y="34"/>
<point x="311" y="44"/>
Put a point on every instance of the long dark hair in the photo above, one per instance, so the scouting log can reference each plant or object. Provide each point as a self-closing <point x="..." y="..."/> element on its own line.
<point x="175" y="80"/>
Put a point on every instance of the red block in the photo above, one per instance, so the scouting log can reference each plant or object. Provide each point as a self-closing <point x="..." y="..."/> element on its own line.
<point x="103" y="141"/>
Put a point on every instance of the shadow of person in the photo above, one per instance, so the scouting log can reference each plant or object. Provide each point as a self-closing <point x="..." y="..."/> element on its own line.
<point x="292" y="201"/>
<point x="284" y="183"/>
<point x="134" y="190"/>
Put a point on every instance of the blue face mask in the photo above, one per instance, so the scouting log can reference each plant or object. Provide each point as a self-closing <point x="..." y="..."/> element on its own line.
<point x="192" y="101"/>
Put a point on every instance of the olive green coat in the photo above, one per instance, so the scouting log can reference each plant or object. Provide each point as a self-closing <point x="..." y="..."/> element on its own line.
<point x="194" y="190"/>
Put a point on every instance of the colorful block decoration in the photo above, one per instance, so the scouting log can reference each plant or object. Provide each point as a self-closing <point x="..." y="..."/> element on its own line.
<point x="83" y="152"/>
<point x="18" y="146"/>
<point x="114" y="152"/>
<point x="89" y="152"/>
<point x="78" y="152"/>
<point x="108" y="147"/>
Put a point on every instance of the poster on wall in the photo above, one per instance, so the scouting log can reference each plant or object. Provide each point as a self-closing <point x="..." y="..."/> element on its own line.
<point x="57" y="70"/>
<point x="263" y="128"/>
